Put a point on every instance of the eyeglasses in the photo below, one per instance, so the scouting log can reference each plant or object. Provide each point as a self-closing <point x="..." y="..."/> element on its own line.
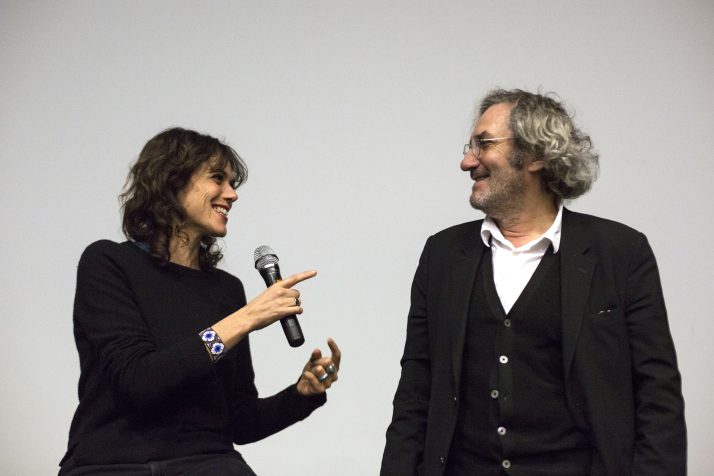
<point x="476" y="145"/>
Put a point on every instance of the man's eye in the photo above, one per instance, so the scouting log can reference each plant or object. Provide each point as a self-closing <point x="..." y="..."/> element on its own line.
<point x="480" y="144"/>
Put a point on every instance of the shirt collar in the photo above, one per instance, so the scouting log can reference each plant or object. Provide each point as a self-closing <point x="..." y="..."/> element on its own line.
<point x="489" y="230"/>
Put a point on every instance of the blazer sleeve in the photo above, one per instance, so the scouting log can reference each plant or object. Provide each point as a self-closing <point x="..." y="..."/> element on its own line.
<point x="406" y="434"/>
<point x="660" y="431"/>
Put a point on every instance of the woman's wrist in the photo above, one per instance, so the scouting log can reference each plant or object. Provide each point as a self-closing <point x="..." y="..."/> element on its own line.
<point x="242" y="321"/>
<point x="232" y="329"/>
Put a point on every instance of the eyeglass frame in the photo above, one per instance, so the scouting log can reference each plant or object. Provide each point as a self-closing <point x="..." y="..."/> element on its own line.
<point x="483" y="143"/>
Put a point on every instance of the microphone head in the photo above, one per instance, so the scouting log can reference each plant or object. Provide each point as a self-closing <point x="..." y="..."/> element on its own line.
<point x="264" y="256"/>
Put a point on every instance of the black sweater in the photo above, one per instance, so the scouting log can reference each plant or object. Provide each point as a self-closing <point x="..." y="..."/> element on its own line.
<point x="148" y="390"/>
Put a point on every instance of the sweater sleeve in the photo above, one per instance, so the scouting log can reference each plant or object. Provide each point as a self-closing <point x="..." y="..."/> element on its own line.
<point x="108" y="319"/>
<point x="255" y="418"/>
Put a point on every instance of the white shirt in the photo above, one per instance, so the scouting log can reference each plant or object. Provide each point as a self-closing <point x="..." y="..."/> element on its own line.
<point x="513" y="267"/>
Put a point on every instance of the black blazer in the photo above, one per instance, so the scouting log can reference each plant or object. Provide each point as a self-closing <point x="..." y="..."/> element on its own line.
<point x="622" y="382"/>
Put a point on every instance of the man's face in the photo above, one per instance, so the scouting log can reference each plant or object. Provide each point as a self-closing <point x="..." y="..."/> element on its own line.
<point x="498" y="187"/>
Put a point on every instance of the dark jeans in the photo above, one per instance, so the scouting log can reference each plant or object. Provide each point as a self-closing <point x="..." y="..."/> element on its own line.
<point x="227" y="464"/>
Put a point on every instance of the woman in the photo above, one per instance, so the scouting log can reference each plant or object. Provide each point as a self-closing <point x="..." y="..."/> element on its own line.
<point x="166" y="383"/>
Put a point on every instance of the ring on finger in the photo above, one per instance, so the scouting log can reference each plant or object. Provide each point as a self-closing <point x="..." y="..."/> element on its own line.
<point x="331" y="369"/>
<point x="298" y="301"/>
<point x="323" y="377"/>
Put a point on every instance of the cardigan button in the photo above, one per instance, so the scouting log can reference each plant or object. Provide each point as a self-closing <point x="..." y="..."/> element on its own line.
<point x="442" y="460"/>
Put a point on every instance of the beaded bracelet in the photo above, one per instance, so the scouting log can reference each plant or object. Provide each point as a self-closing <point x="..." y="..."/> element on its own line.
<point x="214" y="344"/>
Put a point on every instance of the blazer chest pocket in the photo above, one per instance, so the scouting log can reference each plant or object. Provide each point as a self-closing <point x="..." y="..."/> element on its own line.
<point x="607" y="314"/>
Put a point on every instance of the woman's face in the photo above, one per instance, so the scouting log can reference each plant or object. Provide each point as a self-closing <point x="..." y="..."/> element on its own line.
<point x="207" y="199"/>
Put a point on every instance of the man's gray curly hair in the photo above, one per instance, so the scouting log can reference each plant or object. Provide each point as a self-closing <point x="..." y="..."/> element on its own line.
<point x="543" y="130"/>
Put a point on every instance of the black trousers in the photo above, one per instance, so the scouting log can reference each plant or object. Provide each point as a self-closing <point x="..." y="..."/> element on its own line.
<point x="229" y="464"/>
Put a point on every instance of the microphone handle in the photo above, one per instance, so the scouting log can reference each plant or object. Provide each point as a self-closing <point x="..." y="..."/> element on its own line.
<point x="292" y="330"/>
<point x="290" y="324"/>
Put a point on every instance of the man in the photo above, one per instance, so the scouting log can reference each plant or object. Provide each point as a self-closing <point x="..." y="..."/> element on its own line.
<point x="537" y="339"/>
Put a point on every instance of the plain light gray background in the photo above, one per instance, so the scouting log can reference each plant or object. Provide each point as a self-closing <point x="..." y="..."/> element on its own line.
<point x="351" y="117"/>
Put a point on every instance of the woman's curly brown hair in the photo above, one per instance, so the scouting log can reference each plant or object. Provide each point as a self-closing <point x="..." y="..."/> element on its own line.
<point x="151" y="212"/>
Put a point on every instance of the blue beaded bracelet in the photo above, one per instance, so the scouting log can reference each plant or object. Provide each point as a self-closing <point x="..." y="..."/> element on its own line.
<point x="213" y="344"/>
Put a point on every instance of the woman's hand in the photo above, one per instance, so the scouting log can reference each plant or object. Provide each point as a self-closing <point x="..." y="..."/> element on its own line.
<point x="320" y="372"/>
<point x="276" y="302"/>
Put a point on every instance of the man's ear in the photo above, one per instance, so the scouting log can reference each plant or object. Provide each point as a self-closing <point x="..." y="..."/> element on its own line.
<point x="536" y="165"/>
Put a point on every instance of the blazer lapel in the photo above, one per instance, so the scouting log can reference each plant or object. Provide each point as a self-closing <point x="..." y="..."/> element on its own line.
<point x="576" y="274"/>
<point x="461" y="282"/>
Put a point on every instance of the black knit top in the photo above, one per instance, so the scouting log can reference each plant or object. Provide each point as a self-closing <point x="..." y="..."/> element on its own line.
<point x="148" y="390"/>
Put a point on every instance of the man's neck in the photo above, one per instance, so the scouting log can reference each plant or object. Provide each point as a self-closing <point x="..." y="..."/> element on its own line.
<point x="528" y="222"/>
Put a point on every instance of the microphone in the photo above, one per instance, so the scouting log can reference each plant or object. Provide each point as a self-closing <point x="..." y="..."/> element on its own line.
<point x="266" y="262"/>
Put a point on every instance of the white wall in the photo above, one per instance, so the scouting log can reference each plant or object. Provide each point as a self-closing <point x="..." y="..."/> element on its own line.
<point x="351" y="117"/>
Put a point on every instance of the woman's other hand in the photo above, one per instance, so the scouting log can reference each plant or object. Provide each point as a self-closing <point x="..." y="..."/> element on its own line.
<point x="320" y="372"/>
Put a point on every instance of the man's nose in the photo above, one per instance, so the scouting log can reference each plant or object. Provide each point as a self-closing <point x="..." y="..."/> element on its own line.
<point x="470" y="161"/>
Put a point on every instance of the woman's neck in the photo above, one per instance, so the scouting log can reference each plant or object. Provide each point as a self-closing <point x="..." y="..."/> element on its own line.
<point x="184" y="250"/>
